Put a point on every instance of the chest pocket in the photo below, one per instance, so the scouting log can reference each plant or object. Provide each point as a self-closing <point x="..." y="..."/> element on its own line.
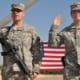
<point x="27" y="39"/>
<point x="19" y="38"/>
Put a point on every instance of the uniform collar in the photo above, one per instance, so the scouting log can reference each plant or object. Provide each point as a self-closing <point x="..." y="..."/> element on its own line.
<point x="18" y="28"/>
<point x="75" y="27"/>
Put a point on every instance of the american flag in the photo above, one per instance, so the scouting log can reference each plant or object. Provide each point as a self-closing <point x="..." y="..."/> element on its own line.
<point x="52" y="58"/>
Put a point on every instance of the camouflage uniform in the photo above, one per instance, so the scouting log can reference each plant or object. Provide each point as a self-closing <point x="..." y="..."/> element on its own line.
<point x="25" y="41"/>
<point x="70" y="36"/>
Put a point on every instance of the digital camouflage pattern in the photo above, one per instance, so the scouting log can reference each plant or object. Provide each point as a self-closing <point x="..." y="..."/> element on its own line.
<point x="26" y="42"/>
<point x="68" y="36"/>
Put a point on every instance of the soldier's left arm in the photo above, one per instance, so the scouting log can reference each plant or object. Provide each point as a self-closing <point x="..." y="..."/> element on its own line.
<point x="36" y="52"/>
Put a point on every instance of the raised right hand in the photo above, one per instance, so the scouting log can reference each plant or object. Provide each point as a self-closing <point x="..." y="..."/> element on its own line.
<point x="57" y="20"/>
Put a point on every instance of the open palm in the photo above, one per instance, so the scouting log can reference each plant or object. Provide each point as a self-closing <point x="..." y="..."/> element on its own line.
<point x="57" y="20"/>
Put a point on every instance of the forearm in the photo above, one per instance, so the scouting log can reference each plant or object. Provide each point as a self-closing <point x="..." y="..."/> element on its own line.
<point x="37" y="59"/>
<point x="54" y="38"/>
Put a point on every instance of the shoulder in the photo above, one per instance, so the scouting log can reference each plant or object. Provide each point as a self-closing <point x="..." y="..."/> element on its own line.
<point x="5" y="29"/>
<point x="68" y="28"/>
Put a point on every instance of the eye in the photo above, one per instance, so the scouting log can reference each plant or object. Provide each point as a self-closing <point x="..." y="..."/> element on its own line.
<point x="16" y="10"/>
<point x="76" y="11"/>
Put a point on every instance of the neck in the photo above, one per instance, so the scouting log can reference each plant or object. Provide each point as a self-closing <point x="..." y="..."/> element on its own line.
<point x="77" y="23"/>
<point x="18" y="23"/>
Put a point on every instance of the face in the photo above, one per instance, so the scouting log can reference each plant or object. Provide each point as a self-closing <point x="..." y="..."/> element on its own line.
<point x="17" y="14"/>
<point x="75" y="15"/>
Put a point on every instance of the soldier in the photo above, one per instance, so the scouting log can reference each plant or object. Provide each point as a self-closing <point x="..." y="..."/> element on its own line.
<point x="25" y="41"/>
<point x="70" y="36"/>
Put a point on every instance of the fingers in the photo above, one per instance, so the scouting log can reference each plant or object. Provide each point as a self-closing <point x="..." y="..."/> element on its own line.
<point x="57" y="20"/>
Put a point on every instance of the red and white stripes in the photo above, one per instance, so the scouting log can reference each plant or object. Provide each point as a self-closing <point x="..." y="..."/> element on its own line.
<point x="52" y="58"/>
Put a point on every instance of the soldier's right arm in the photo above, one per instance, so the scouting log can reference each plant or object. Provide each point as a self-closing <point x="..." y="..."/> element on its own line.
<point x="55" y="38"/>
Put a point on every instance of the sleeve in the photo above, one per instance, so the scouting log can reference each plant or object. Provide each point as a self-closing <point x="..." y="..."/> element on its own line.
<point x="55" y="39"/>
<point x="36" y="50"/>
